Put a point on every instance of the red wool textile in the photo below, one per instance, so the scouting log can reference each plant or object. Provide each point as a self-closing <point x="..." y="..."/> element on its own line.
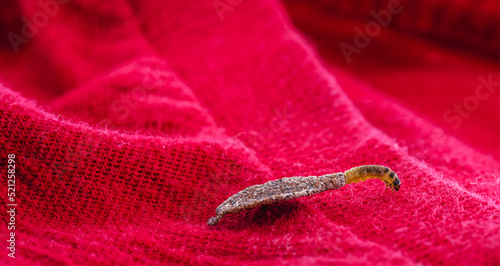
<point x="131" y="121"/>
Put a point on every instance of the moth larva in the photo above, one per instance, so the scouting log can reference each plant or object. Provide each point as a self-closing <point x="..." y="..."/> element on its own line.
<point x="294" y="187"/>
<point x="365" y="172"/>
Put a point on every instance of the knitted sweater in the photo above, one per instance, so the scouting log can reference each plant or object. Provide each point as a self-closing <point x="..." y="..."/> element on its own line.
<point x="129" y="122"/>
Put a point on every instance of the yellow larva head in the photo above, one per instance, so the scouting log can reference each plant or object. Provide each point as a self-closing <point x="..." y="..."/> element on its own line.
<point x="394" y="181"/>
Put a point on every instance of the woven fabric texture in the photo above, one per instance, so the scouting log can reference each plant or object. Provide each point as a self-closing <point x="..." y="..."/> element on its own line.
<point x="131" y="121"/>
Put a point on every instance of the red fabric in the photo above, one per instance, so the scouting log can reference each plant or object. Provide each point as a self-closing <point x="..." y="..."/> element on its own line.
<point x="131" y="121"/>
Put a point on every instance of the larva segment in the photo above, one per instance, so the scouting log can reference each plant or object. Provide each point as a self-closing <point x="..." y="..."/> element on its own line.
<point x="365" y="172"/>
<point x="276" y="191"/>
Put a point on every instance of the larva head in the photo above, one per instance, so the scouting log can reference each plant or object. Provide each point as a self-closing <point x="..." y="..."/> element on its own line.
<point x="393" y="181"/>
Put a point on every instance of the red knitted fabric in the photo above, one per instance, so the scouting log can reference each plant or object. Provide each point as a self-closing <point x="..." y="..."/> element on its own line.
<point x="131" y="121"/>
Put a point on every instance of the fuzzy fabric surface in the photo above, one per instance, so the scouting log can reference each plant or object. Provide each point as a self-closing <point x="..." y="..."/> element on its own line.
<point x="129" y="122"/>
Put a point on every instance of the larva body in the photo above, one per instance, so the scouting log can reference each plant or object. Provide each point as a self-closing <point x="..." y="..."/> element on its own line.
<point x="365" y="172"/>
<point x="294" y="187"/>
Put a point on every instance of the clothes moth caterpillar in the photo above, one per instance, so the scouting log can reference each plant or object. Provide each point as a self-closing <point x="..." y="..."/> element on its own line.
<point x="365" y="172"/>
<point x="294" y="187"/>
